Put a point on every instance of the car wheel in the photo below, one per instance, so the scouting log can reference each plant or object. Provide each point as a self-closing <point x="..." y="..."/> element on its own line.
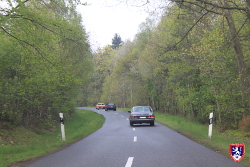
<point x="106" y="110"/>
<point x="152" y="123"/>
<point x="131" y="124"/>
<point x="114" y="109"/>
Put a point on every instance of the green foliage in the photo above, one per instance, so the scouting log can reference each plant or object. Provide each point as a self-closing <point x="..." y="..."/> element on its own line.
<point x="199" y="133"/>
<point x="104" y="61"/>
<point x="45" y="63"/>
<point x="184" y="66"/>
<point x="19" y="143"/>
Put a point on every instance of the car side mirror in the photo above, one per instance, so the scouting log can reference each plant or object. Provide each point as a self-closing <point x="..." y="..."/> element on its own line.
<point x="129" y="111"/>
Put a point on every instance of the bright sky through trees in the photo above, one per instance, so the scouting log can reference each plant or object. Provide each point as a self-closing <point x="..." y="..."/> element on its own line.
<point x="102" y="19"/>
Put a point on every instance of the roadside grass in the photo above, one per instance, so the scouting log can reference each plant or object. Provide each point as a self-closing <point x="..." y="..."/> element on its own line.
<point x="219" y="142"/>
<point x="197" y="132"/>
<point x="124" y="109"/>
<point x="20" y="145"/>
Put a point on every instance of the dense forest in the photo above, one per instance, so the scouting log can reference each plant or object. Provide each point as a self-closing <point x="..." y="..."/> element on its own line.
<point x="45" y="61"/>
<point x="193" y="61"/>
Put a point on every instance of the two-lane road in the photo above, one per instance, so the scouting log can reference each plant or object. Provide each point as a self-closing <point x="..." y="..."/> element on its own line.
<point x="117" y="144"/>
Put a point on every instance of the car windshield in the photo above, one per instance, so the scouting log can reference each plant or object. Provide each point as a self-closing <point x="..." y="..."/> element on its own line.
<point x="110" y="104"/>
<point x="141" y="109"/>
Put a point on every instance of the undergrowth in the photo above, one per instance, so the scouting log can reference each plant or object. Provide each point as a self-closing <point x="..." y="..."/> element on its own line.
<point x="20" y="145"/>
<point x="219" y="142"/>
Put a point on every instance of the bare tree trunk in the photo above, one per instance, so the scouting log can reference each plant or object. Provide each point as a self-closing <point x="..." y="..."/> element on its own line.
<point x="131" y="95"/>
<point x="238" y="51"/>
<point x="248" y="8"/>
<point x="243" y="97"/>
<point x="153" y="102"/>
<point x="218" y="109"/>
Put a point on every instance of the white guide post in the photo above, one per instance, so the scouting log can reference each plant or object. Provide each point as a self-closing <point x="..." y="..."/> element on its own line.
<point x="210" y="127"/>
<point x="62" y="126"/>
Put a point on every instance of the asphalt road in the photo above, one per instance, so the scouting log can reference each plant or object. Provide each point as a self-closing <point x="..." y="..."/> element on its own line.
<point x="117" y="144"/>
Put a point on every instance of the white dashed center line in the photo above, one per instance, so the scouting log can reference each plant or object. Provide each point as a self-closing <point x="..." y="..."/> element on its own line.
<point x="135" y="138"/>
<point x="129" y="162"/>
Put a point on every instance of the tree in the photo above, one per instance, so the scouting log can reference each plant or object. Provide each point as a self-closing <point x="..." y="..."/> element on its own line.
<point x="116" y="41"/>
<point x="45" y="61"/>
<point x="225" y="8"/>
<point x="104" y="62"/>
<point x="190" y="64"/>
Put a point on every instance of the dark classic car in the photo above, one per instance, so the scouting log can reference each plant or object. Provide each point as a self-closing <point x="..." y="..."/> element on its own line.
<point x="141" y="114"/>
<point x="110" y="106"/>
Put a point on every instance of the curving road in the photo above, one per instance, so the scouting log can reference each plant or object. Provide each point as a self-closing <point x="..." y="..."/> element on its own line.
<point x="117" y="144"/>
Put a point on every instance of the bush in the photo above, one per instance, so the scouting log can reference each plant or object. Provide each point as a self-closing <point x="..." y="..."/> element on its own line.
<point x="244" y="124"/>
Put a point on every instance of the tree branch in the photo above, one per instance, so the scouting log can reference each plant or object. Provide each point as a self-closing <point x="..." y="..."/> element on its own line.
<point x="33" y="46"/>
<point x="211" y="4"/>
<point x="175" y="45"/>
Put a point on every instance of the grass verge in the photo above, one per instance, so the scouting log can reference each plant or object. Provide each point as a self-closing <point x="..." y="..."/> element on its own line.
<point x="20" y="146"/>
<point x="219" y="142"/>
